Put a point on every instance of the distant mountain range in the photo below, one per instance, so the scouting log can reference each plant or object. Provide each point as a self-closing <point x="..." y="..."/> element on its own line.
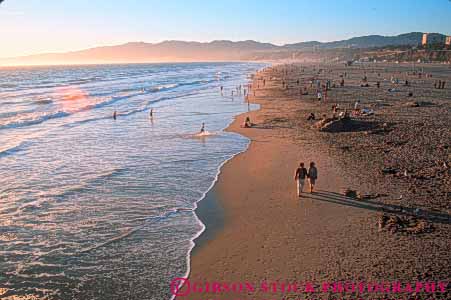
<point x="370" y="41"/>
<point x="213" y="51"/>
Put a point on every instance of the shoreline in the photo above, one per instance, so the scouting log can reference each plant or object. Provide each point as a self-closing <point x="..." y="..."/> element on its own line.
<point x="208" y="209"/>
<point x="213" y="204"/>
<point x="265" y="223"/>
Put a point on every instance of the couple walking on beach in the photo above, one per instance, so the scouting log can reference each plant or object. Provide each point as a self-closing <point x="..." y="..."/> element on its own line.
<point x="302" y="174"/>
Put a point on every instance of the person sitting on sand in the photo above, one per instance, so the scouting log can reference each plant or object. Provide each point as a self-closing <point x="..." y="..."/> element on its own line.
<point x="335" y="108"/>
<point x="299" y="177"/>
<point x="357" y="107"/>
<point x="311" y="117"/>
<point x="344" y="115"/>
<point x="202" y="129"/>
<point x="312" y="175"/>
<point x="247" y="123"/>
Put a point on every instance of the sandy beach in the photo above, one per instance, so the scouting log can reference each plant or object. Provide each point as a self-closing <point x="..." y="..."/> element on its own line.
<point x="395" y="227"/>
<point x="234" y="150"/>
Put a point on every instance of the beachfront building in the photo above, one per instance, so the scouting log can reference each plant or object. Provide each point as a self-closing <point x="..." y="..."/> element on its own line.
<point x="424" y="41"/>
<point x="448" y="41"/>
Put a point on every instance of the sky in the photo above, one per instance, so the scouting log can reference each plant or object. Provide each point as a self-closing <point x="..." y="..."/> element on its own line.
<point x="42" y="26"/>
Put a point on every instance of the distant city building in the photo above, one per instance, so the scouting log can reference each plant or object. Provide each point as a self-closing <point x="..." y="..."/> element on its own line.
<point x="448" y="41"/>
<point x="424" y="41"/>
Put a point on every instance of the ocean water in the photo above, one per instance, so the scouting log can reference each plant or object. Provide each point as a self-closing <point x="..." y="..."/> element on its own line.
<point x="97" y="208"/>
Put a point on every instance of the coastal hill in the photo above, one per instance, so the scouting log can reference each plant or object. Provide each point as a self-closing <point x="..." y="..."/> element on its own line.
<point x="407" y="39"/>
<point x="178" y="51"/>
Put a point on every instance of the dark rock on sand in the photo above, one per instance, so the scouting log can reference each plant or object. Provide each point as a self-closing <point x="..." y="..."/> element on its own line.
<point x="350" y="193"/>
<point x="334" y="125"/>
<point x="389" y="170"/>
<point x="409" y="225"/>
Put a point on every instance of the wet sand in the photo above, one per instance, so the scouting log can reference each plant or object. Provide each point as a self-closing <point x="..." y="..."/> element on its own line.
<point x="269" y="234"/>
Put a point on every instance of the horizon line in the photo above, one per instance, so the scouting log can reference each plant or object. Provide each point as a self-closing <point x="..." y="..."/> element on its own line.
<point x="205" y="42"/>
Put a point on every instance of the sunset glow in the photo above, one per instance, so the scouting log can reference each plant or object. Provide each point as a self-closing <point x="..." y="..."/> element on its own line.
<point x="59" y="26"/>
<point x="73" y="98"/>
<point x="225" y="149"/>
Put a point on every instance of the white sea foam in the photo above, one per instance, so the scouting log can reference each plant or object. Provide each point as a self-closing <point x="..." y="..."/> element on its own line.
<point x="111" y="200"/>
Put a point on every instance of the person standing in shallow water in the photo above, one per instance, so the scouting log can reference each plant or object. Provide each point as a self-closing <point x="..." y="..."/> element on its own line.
<point x="299" y="177"/>
<point x="312" y="176"/>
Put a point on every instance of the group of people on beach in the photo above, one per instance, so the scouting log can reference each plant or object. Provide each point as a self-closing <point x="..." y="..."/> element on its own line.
<point x="302" y="174"/>
<point x="239" y="90"/>
<point x="439" y="85"/>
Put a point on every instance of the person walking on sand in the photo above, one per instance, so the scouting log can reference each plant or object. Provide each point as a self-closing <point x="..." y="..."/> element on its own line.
<point x="202" y="129"/>
<point x="312" y="175"/>
<point x="299" y="177"/>
<point x="320" y="95"/>
<point x="151" y="113"/>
